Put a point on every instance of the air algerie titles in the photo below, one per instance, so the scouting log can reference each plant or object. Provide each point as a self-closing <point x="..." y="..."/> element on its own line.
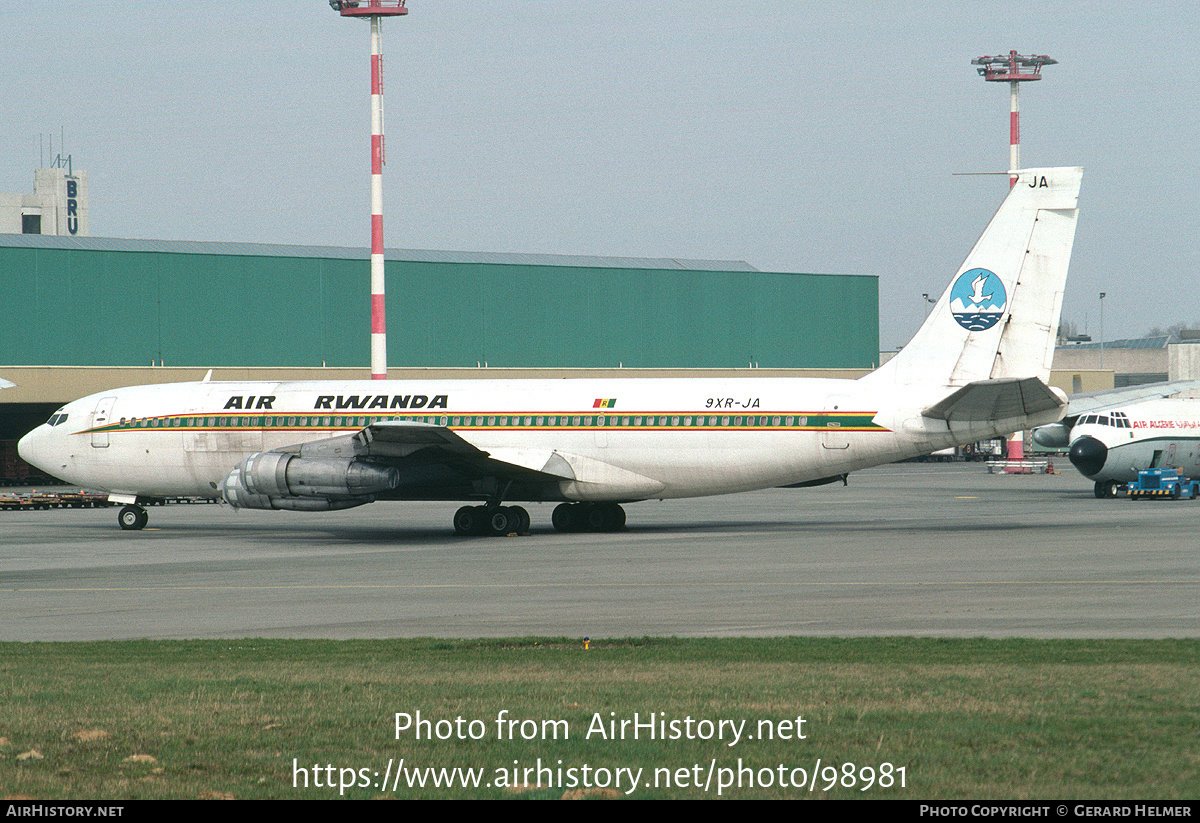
<point x="352" y="401"/>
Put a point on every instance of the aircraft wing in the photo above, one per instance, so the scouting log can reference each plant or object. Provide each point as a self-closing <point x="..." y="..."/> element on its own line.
<point x="403" y="438"/>
<point x="1000" y="399"/>
<point x="4" y="384"/>
<point x="429" y="456"/>
<point x="1058" y="435"/>
<point x="391" y="440"/>
<point x="1097" y="401"/>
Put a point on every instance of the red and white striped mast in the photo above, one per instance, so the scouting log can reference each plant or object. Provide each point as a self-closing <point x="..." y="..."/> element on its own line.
<point x="375" y="9"/>
<point x="1014" y="69"/>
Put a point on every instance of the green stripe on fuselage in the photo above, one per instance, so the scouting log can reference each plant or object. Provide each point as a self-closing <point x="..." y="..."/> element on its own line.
<point x="674" y="421"/>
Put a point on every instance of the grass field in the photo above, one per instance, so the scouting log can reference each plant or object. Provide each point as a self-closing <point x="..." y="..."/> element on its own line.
<point x="872" y="717"/>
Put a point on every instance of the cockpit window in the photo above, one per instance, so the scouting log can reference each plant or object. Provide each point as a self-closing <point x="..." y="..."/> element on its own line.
<point x="56" y="418"/>
<point x="1117" y="420"/>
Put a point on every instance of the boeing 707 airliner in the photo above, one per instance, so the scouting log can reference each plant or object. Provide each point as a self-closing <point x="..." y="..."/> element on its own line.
<point x="976" y="369"/>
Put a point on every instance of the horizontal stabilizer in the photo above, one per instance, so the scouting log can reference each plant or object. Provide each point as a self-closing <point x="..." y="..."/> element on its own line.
<point x="1003" y="399"/>
<point x="4" y="384"/>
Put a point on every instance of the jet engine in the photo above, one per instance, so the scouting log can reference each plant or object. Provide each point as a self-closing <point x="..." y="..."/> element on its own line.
<point x="276" y="480"/>
<point x="1053" y="435"/>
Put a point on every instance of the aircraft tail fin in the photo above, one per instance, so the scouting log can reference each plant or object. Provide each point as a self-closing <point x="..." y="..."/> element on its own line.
<point x="999" y="316"/>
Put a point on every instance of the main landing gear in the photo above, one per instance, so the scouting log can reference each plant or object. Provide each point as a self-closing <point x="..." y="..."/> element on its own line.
<point x="132" y="518"/>
<point x="495" y="520"/>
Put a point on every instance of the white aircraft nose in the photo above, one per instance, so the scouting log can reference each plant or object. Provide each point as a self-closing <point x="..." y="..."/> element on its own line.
<point x="33" y="447"/>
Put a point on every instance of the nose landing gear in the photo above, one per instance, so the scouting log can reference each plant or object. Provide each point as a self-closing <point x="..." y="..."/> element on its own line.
<point x="132" y="518"/>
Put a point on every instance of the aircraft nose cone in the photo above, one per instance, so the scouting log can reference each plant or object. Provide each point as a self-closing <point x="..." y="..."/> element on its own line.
<point x="30" y="447"/>
<point x="1088" y="455"/>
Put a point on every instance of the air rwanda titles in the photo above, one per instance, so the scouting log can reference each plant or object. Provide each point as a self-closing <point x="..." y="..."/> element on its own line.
<point x="656" y="726"/>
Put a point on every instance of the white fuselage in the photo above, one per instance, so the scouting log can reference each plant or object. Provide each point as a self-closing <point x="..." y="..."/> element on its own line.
<point x="662" y="437"/>
<point x="1162" y="433"/>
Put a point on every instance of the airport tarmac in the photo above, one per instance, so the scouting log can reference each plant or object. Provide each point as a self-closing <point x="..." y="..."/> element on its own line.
<point x="910" y="549"/>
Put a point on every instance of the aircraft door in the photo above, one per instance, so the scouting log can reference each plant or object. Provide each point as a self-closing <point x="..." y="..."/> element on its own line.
<point x="833" y="436"/>
<point x="100" y="418"/>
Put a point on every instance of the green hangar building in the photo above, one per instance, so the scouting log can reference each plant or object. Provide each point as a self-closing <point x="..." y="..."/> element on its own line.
<point x="103" y="302"/>
<point x="85" y="314"/>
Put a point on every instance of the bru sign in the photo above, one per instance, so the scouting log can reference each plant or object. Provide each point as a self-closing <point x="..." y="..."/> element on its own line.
<point x="72" y="205"/>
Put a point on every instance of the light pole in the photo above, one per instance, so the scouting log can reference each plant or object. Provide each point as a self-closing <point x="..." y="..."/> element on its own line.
<point x="373" y="10"/>
<point x="1014" y="69"/>
<point x="1102" y="330"/>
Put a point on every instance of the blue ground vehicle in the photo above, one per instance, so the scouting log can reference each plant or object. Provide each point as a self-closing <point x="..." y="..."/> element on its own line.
<point x="1163" y="483"/>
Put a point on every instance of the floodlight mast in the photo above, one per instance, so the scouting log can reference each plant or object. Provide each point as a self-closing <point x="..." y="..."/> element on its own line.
<point x="1014" y="69"/>
<point x="375" y="10"/>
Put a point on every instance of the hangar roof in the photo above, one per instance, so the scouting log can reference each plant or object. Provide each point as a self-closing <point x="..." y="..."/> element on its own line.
<point x="39" y="241"/>
<point x="1138" y="343"/>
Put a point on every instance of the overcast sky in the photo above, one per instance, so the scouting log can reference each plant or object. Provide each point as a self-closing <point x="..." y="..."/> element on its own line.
<point x="799" y="137"/>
